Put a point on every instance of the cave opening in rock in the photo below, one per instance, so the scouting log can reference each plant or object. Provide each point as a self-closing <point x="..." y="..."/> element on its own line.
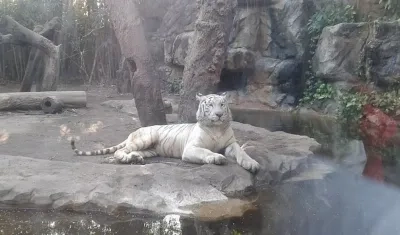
<point x="232" y="81"/>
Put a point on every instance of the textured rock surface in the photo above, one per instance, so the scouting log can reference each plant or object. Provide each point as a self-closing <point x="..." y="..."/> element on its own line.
<point x="281" y="155"/>
<point x="338" y="54"/>
<point x="268" y="40"/>
<point x="162" y="185"/>
<point x="345" y="50"/>
<point x="383" y="54"/>
<point x="180" y="48"/>
<point x="87" y="186"/>
<point x="240" y="59"/>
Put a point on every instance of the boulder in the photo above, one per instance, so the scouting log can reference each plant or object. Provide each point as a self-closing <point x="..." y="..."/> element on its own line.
<point x="279" y="160"/>
<point x="347" y="51"/>
<point x="339" y="50"/>
<point x="161" y="185"/>
<point x="383" y="54"/>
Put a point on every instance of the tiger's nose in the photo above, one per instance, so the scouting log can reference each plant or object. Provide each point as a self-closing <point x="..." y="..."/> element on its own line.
<point x="219" y="114"/>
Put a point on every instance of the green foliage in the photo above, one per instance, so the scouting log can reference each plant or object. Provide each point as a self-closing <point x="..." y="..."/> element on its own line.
<point x="317" y="91"/>
<point x="350" y="112"/>
<point x="330" y="14"/>
<point x="235" y="232"/>
<point x="174" y="86"/>
<point x="388" y="102"/>
<point x="351" y="104"/>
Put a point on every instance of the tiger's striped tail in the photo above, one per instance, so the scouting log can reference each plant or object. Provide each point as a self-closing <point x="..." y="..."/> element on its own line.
<point x="97" y="152"/>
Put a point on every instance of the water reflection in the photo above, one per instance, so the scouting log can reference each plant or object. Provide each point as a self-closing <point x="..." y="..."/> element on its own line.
<point x="57" y="223"/>
<point x="339" y="204"/>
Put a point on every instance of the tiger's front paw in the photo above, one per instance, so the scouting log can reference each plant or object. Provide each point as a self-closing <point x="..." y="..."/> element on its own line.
<point x="250" y="165"/>
<point x="109" y="160"/>
<point x="217" y="159"/>
<point x="135" y="158"/>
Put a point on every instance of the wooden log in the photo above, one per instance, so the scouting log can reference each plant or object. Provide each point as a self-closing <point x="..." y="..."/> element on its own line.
<point x="52" y="105"/>
<point x="33" y="100"/>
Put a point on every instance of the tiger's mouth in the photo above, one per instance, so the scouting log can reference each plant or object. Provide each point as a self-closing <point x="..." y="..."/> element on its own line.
<point x="218" y="120"/>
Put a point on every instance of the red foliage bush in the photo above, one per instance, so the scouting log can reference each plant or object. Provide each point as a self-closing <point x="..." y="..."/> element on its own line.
<point x="376" y="127"/>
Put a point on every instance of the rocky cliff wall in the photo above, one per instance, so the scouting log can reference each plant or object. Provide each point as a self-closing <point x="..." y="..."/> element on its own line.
<point x="268" y="47"/>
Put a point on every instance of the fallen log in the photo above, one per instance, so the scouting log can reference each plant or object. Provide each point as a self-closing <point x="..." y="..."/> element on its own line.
<point x="33" y="100"/>
<point x="52" y="105"/>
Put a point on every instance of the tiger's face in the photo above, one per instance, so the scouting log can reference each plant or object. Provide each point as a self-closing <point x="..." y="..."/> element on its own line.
<point x="213" y="109"/>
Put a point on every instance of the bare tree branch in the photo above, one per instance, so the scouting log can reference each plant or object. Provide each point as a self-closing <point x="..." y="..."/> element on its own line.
<point x="21" y="35"/>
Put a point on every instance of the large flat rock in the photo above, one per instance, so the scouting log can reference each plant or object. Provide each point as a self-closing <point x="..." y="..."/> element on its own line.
<point x="157" y="187"/>
<point x="162" y="185"/>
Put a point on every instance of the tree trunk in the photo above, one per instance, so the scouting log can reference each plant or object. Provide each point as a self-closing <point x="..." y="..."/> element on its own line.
<point x="51" y="71"/>
<point x="124" y="77"/>
<point x="20" y="35"/>
<point x="33" y="100"/>
<point x="146" y="83"/>
<point x="34" y="68"/>
<point x="206" y="55"/>
<point x="31" y="71"/>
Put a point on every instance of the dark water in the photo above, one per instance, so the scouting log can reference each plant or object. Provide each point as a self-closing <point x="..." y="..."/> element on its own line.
<point x="339" y="204"/>
<point x="315" y="203"/>
<point x="52" y="222"/>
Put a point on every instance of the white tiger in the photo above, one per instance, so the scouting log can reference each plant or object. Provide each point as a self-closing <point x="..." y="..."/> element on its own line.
<point x="198" y="143"/>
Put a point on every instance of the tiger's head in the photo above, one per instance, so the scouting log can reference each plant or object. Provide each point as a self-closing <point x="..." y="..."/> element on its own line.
<point x="213" y="110"/>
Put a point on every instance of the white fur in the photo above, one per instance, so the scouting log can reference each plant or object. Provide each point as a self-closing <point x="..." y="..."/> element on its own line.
<point x="196" y="143"/>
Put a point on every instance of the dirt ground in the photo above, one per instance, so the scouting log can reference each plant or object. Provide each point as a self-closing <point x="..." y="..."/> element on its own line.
<point x="34" y="134"/>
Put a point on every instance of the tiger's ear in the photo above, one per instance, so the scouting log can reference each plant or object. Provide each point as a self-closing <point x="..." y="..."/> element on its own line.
<point x="199" y="96"/>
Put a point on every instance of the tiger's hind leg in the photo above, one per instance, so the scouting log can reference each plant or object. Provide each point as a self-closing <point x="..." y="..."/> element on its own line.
<point x="139" y="145"/>
<point x="134" y="157"/>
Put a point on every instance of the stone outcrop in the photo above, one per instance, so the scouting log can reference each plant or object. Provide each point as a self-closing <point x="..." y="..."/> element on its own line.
<point x="339" y="50"/>
<point x="267" y="44"/>
<point x="354" y="52"/>
<point x="161" y="185"/>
